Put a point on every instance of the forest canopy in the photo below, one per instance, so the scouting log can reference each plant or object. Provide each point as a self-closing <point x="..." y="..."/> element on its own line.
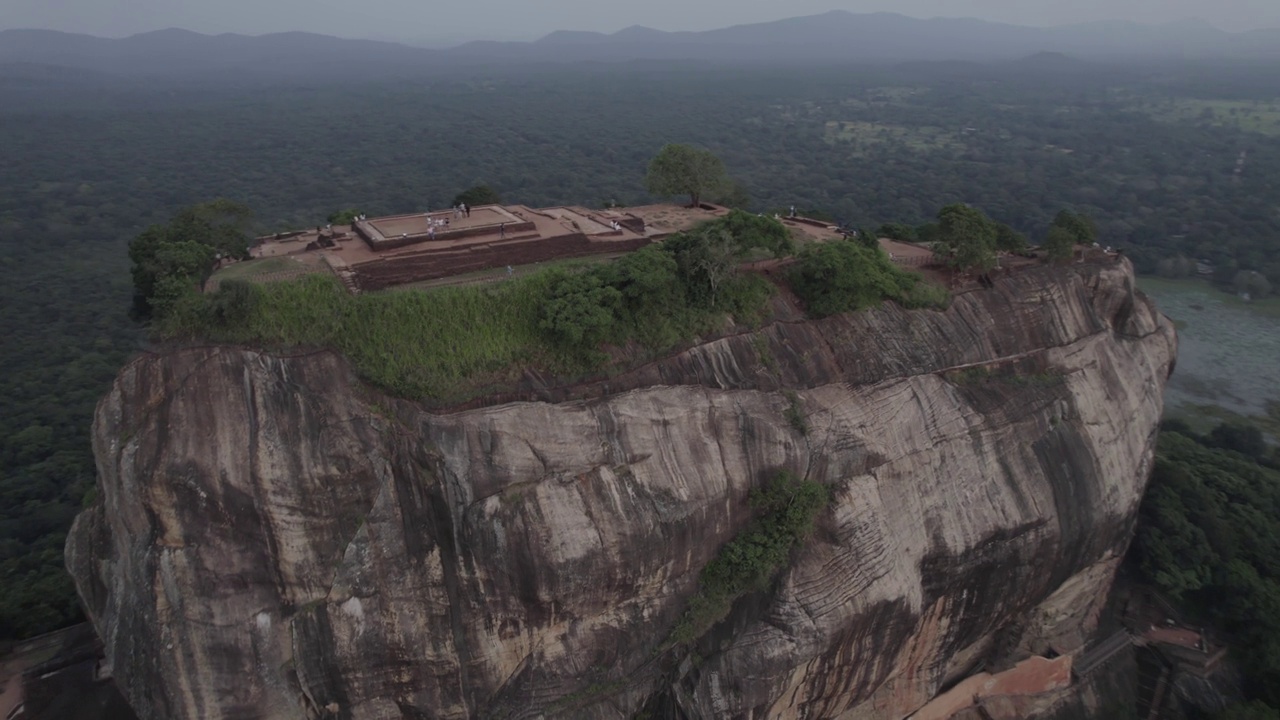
<point x="1209" y="537"/>
<point x="1176" y="165"/>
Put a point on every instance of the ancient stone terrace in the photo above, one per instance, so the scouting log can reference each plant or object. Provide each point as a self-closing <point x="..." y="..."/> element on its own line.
<point x="384" y="252"/>
<point x="395" y="231"/>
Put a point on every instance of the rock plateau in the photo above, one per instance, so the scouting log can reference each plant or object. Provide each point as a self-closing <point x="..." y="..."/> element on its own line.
<point x="274" y="539"/>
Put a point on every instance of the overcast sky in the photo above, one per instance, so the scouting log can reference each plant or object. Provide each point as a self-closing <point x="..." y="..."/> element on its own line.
<point x="436" y="21"/>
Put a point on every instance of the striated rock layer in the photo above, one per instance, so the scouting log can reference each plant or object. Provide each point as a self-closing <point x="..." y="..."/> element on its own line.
<point x="274" y="540"/>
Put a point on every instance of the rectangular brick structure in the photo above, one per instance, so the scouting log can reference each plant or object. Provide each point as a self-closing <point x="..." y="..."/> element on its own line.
<point x="383" y="252"/>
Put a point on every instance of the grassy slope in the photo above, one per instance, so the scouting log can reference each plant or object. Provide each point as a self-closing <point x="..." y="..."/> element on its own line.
<point x="452" y="343"/>
<point x="413" y="343"/>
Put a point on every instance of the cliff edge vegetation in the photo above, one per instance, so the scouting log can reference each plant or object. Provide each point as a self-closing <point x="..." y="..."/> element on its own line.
<point x="447" y="344"/>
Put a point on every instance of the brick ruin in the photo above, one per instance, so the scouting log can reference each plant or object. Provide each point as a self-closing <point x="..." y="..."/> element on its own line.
<point x="378" y="253"/>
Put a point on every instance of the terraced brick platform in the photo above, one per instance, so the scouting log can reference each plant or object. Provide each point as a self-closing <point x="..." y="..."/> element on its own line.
<point x="384" y="252"/>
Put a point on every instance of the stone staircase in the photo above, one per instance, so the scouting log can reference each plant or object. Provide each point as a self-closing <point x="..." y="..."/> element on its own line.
<point x="345" y="274"/>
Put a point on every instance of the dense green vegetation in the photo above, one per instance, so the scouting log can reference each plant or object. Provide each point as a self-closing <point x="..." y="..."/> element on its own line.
<point x="967" y="238"/>
<point x="842" y="276"/>
<point x="174" y="259"/>
<point x="91" y="162"/>
<point x="445" y="344"/>
<point x="682" y="169"/>
<point x="1209" y="537"/>
<point x="785" y="510"/>
<point x="970" y="241"/>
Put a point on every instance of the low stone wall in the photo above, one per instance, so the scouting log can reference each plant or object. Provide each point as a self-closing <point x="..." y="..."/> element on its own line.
<point x="283" y="235"/>
<point x="389" y="272"/>
<point x="632" y="223"/>
<point x="377" y="241"/>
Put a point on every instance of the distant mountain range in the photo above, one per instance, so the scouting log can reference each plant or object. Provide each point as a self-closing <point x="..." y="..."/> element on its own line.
<point x="836" y="36"/>
<point x="182" y="52"/>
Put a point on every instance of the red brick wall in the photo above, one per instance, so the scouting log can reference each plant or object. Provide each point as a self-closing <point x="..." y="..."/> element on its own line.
<point x="389" y="272"/>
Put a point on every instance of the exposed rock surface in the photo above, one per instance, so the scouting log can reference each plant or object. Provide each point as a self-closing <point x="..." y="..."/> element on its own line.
<point x="274" y="540"/>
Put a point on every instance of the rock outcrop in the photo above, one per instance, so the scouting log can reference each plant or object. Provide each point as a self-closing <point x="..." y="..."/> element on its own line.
<point x="273" y="539"/>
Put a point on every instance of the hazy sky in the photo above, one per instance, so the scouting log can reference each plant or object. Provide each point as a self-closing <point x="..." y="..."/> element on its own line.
<point x="438" y="21"/>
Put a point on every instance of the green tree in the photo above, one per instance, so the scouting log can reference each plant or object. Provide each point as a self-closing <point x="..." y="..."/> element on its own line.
<point x="648" y="280"/>
<point x="174" y="269"/>
<point x="581" y="312"/>
<point x="1179" y="267"/>
<point x="1081" y="226"/>
<point x="653" y="297"/>
<point x="754" y="232"/>
<point x="34" y="443"/>
<point x="968" y="237"/>
<point x="1009" y="240"/>
<point x="867" y="238"/>
<point x="221" y="224"/>
<point x="1255" y="284"/>
<point x="170" y="260"/>
<point x="1059" y="244"/>
<point x="686" y="170"/>
<point x="897" y="231"/>
<point x="234" y="302"/>
<point x="843" y="276"/>
<point x="1244" y="439"/>
<point x="477" y="195"/>
<point x="707" y="256"/>
<point x="786" y="510"/>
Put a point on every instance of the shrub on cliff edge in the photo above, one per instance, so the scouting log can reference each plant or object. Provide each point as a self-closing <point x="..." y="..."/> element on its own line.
<point x="449" y="343"/>
<point x="785" y="508"/>
<point x="170" y="261"/>
<point x="844" y="276"/>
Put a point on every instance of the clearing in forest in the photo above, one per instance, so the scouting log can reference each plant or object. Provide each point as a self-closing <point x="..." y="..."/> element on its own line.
<point x="863" y="134"/>
<point x="1259" y="116"/>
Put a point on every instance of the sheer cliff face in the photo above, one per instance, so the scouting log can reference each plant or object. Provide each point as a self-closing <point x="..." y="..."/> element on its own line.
<point x="273" y="540"/>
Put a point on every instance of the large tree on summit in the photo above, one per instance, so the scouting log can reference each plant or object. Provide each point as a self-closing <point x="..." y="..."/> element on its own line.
<point x="168" y="260"/>
<point x="1081" y="226"/>
<point x="967" y="238"/>
<point x="683" y="169"/>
